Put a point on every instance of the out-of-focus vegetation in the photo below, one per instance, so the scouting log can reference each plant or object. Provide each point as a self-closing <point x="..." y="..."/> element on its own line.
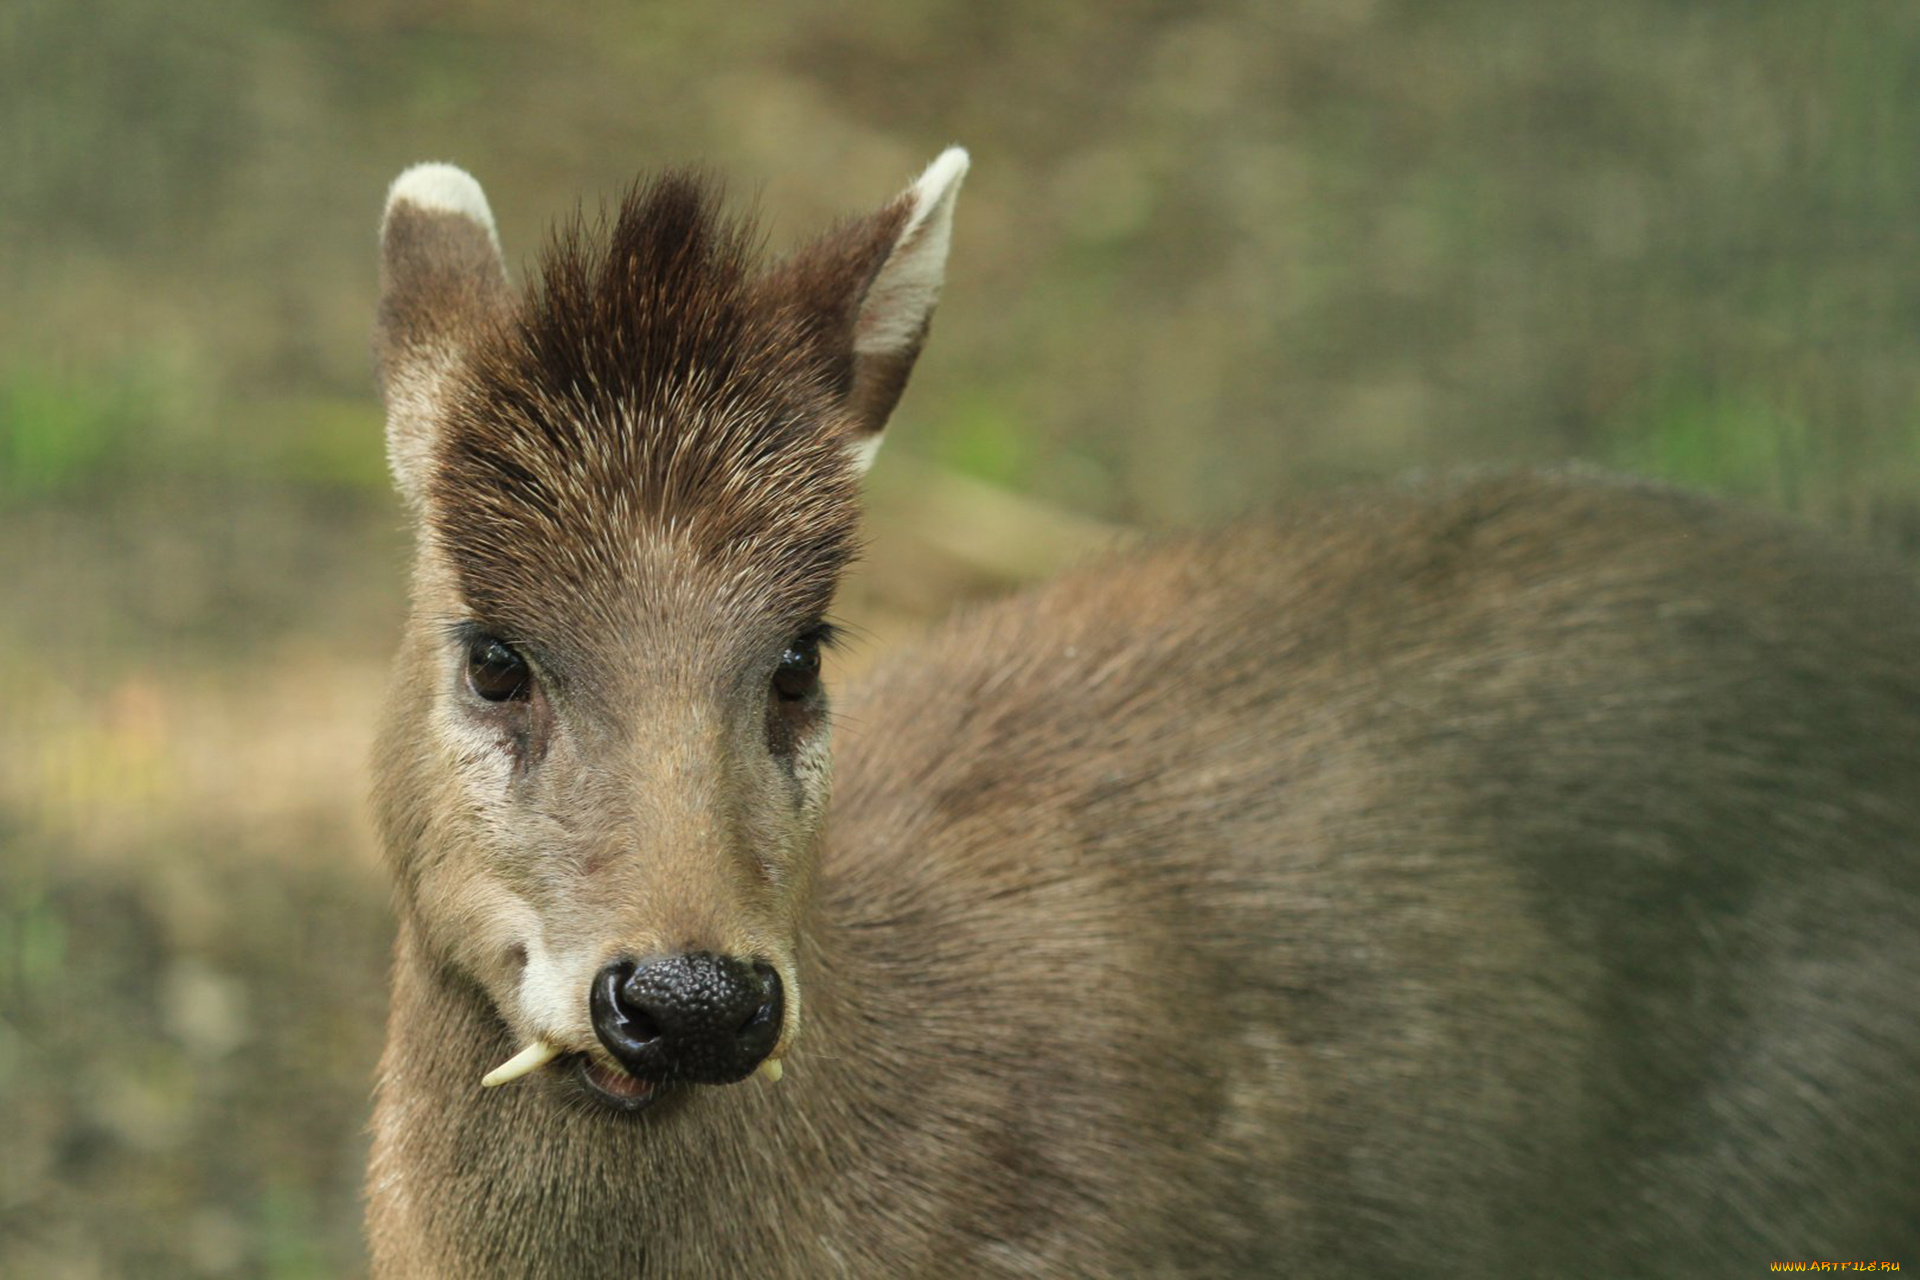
<point x="1210" y="255"/>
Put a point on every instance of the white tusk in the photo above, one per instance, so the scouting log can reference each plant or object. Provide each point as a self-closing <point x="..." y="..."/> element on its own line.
<point x="771" y="1071"/>
<point x="532" y="1058"/>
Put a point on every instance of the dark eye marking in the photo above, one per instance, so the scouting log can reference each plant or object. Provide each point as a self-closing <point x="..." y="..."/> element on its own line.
<point x="797" y="678"/>
<point x="796" y="704"/>
<point x="496" y="672"/>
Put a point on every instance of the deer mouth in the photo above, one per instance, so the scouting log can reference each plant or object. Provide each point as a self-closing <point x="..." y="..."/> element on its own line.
<point x="612" y="1087"/>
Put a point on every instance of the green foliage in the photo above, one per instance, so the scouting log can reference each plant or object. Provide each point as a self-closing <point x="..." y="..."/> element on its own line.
<point x="60" y="430"/>
<point x="33" y="942"/>
<point x="328" y="441"/>
<point x="1732" y="442"/>
<point x="979" y="437"/>
<point x="286" y="1218"/>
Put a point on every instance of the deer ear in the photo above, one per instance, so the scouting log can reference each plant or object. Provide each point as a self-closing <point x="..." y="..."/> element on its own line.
<point x="874" y="283"/>
<point x="442" y="283"/>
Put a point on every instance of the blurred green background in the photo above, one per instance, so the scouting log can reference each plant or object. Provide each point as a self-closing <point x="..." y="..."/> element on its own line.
<point x="1211" y="255"/>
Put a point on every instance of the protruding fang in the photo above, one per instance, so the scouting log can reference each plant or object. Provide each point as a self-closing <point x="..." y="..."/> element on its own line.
<point x="530" y="1059"/>
<point x="771" y="1071"/>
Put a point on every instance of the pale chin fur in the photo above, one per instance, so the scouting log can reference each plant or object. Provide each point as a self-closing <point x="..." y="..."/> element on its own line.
<point x="549" y="1003"/>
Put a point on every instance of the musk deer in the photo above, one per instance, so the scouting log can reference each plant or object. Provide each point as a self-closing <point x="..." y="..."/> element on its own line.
<point x="1508" y="875"/>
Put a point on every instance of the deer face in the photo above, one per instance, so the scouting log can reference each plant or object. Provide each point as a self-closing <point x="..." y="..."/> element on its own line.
<point x="635" y="491"/>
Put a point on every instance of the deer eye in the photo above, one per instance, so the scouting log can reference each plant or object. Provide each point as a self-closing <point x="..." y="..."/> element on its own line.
<point x="798" y="675"/>
<point x="496" y="672"/>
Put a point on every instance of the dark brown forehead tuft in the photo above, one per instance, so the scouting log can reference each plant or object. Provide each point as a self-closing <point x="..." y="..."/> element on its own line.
<point x="647" y="382"/>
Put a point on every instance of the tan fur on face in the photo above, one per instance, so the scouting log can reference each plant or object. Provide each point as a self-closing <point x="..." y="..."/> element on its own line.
<point x="639" y="474"/>
<point x="654" y="823"/>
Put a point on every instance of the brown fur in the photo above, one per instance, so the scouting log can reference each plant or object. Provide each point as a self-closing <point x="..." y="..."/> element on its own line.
<point x="1510" y="875"/>
<point x="558" y="457"/>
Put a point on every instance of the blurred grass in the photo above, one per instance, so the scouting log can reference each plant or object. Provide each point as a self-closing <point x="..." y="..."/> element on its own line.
<point x="67" y="431"/>
<point x="1741" y="446"/>
<point x="1210" y="255"/>
<point x="52" y="433"/>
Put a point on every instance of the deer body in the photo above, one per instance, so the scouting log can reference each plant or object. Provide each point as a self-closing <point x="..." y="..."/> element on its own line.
<point x="1514" y="875"/>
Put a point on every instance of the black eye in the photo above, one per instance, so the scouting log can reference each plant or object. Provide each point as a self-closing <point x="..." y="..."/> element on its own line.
<point x="496" y="672"/>
<point x="798" y="675"/>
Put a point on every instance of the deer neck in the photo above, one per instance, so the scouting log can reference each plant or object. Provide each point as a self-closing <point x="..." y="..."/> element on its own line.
<point x="456" y="1165"/>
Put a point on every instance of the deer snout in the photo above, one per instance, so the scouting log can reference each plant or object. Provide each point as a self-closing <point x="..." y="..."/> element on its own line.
<point x="700" y="1017"/>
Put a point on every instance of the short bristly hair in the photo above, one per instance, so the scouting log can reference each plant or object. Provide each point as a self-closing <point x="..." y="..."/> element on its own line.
<point x="651" y="382"/>
<point x="645" y="380"/>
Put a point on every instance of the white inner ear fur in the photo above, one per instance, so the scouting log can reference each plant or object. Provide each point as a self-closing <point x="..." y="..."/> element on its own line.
<point x="444" y="188"/>
<point x="862" y="451"/>
<point x="414" y="392"/>
<point x="894" y="313"/>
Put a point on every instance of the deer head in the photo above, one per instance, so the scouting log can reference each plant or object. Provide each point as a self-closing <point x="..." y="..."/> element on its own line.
<point x="635" y="488"/>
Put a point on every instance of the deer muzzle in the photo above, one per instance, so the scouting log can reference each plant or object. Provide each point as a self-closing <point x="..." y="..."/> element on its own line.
<point x="698" y="1017"/>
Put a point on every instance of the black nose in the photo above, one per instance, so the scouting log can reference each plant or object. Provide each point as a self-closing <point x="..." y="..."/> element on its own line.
<point x="699" y="1017"/>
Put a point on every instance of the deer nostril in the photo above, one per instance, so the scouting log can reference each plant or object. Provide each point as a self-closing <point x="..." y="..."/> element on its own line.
<point x="769" y="998"/>
<point x="641" y="1023"/>
<point x="611" y="1004"/>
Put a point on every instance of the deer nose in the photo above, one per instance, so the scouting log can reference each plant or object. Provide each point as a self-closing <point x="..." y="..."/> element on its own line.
<point x="700" y="1017"/>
